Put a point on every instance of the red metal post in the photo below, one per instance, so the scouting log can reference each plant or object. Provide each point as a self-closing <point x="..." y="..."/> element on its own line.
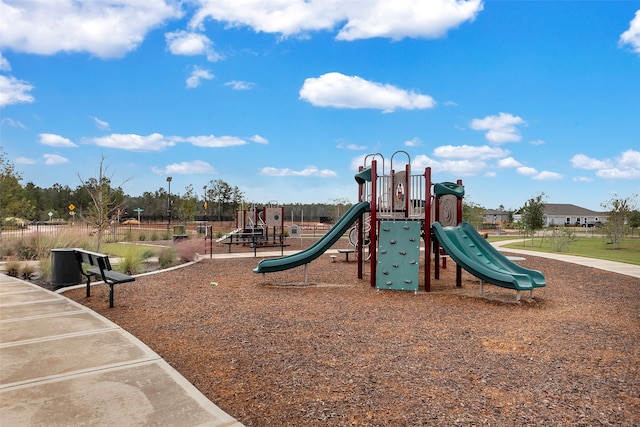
<point x="407" y="196"/>
<point x="373" y="224"/>
<point x="436" y="245"/>
<point x="360" y="228"/>
<point x="427" y="230"/>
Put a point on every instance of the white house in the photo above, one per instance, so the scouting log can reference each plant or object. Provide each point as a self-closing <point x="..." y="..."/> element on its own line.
<point x="569" y="215"/>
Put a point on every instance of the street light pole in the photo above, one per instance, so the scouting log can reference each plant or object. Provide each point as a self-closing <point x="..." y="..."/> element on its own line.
<point x="204" y="195"/>
<point x="169" y="204"/>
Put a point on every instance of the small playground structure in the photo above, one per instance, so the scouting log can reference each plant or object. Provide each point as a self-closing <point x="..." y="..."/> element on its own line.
<point x="396" y="209"/>
<point x="257" y="227"/>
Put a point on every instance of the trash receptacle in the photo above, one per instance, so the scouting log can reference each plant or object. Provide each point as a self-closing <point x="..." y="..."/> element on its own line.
<point x="64" y="268"/>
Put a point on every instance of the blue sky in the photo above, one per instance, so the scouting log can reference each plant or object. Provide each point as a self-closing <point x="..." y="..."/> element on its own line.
<point x="284" y="98"/>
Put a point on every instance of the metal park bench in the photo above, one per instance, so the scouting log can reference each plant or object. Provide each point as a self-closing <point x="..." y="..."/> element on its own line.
<point x="96" y="264"/>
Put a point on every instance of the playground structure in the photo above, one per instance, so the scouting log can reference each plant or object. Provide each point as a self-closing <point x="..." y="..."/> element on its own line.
<point x="252" y="228"/>
<point x="394" y="211"/>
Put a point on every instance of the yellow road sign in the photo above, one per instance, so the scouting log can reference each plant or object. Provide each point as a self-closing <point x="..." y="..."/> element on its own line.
<point x="71" y="207"/>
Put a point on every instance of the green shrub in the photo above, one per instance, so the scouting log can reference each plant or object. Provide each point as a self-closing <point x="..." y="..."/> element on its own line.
<point x="29" y="250"/>
<point x="562" y="238"/>
<point x="27" y="271"/>
<point x="13" y="268"/>
<point x="132" y="261"/>
<point x="45" y="269"/>
<point x="142" y="237"/>
<point x="155" y="236"/>
<point x="8" y="247"/>
<point x="167" y="257"/>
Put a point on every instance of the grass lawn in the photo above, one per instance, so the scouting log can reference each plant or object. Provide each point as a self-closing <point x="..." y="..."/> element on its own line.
<point x="123" y="249"/>
<point x="592" y="247"/>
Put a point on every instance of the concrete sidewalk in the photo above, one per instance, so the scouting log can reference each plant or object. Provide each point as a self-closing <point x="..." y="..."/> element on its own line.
<point x="62" y="364"/>
<point x="615" y="267"/>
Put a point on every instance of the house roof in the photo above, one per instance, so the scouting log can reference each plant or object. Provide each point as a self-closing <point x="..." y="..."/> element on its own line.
<point x="555" y="209"/>
<point x="566" y="209"/>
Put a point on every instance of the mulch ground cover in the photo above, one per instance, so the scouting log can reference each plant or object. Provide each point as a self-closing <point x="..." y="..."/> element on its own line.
<point x="275" y="351"/>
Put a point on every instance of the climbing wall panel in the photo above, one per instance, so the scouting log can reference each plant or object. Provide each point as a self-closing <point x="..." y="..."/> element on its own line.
<point x="398" y="256"/>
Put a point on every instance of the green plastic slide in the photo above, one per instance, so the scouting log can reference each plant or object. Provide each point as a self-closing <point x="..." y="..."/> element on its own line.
<point x="473" y="253"/>
<point x="271" y="265"/>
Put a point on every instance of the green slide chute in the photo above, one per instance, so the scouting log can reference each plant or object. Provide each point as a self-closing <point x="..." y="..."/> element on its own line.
<point x="473" y="253"/>
<point x="271" y="265"/>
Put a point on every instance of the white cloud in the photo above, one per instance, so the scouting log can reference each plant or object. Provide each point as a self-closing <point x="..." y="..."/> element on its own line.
<point x="259" y="139"/>
<point x="54" y="159"/>
<point x="469" y="152"/>
<point x="239" y="85"/>
<point x="581" y="161"/>
<point x="527" y="171"/>
<point x="582" y="179"/>
<point x="106" y="29"/>
<point x="627" y="166"/>
<point x="54" y="140"/>
<point x="14" y="91"/>
<point x="537" y="142"/>
<point x="340" y="91"/>
<point x="413" y="142"/>
<point x="500" y="129"/>
<point x="197" y="75"/>
<point x="359" y="20"/>
<point x="195" y="167"/>
<point x="630" y="159"/>
<point x="158" y="142"/>
<point x="25" y="161"/>
<point x="100" y="124"/>
<point x="407" y="18"/>
<point x="540" y="176"/>
<point x="133" y="142"/>
<point x="463" y="167"/>
<point x="286" y="17"/>
<point x="212" y="141"/>
<point x="616" y="173"/>
<point x="7" y="121"/>
<point x="307" y="171"/>
<point x="548" y="176"/>
<point x="4" y="64"/>
<point x="509" y="162"/>
<point x="191" y="44"/>
<point x="343" y="145"/>
<point x="631" y="37"/>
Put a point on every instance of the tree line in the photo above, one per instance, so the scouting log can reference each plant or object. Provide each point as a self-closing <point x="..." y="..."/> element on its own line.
<point x="99" y="200"/>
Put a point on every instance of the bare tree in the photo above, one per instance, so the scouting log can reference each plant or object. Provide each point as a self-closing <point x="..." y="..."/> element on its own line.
<point x="105" y="201"/>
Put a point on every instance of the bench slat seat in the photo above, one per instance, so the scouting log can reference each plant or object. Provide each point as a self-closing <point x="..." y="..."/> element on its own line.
<point x="98" y="265"/>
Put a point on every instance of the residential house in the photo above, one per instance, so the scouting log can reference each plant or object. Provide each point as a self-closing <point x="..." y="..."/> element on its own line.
<point x="569" y="215"/>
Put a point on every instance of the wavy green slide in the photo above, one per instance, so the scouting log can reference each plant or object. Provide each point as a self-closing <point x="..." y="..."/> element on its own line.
<point x="473" y="253"/>
<point x="271" y="265"/>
